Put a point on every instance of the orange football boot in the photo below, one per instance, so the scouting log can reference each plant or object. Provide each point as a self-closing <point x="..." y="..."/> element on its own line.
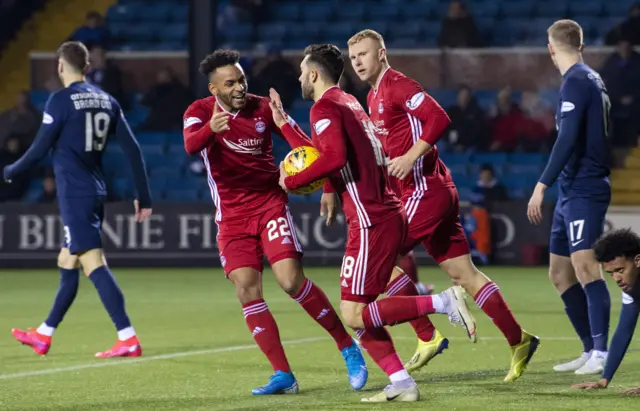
<point x="127" y="348"/>
<point x="38" y="342"/>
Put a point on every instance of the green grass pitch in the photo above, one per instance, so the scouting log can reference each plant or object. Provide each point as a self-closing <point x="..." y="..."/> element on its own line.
<point x="199" y="354"/>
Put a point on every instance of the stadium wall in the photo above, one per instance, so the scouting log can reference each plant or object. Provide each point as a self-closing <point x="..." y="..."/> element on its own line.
<point x="521" y="67"/>
<point x="185" y="235"/>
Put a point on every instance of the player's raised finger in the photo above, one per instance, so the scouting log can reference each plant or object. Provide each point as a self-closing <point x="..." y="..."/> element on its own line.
<point x="275" y="97"/>
<point x="331" y="216"/>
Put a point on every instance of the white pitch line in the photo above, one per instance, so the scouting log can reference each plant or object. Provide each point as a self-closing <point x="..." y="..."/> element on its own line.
<point x="108" y="363"/>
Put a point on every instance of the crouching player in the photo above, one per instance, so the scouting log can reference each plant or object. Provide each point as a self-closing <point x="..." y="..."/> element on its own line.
<point x="76" y="124"/>
<point x="619" y="253"/>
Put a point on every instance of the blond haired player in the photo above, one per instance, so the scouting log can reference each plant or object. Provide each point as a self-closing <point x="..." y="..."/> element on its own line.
<point x="409" y="123"/>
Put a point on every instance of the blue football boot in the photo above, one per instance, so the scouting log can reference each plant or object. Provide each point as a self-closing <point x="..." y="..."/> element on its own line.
<point x="356" y="366"/>
<point x="279" y="383"/>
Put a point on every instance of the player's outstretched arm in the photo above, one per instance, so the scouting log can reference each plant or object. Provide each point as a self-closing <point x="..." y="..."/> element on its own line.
<point x="198" y="131"/>
<point x="132" y="150"/>
<point x="288" y="128"/>
<point x="619" y="343"/>
<point x="47" y="135"/>
<point x="331" y="143"/>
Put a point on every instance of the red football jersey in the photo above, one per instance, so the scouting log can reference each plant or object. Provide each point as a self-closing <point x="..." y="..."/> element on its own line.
<point x="352" y="157"/>
<point x="402" y="113"/>
<point x="241" y="172"/>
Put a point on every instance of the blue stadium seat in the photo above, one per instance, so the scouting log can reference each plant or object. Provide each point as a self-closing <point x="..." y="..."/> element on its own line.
<point x="406" y="29"/>
<point x="404" y="43"/>
<point x="159" y="11"/>
<point x="353" y="12"/>
<point x="460" y="170"/>
<point x="153" y="148"/>
<point x="174" y="32"/>
<point x="527" y="159"/>
<point x="180" y="13"/>
<point x="123" y="187"/>
<point x="418" y="12"/>
<point x="379" y="11"/>
<point x="316" y="13"/>
<point x="484" y="9"/>
<point x="495" y="159"/>
<point x="118" y="13"/>
<point x="151" y="137"/>
<point x="556" y="9"/>
<point x="465" y="193"/>
<point x="445" y="97"/>
<point x="339" y="33"/>
<point x="518" y="9"/>
<point x="618" y="8"/>
<point x="240" y="31"/>
<point x="550" y="96"/>
<point x="592" y="8"/>
<point x="272" y="32"/>
<point x="39" y="98"/>
<point x="285" y="12"/>
<point x="485" y="98"/>
<point x="455" y="159"/>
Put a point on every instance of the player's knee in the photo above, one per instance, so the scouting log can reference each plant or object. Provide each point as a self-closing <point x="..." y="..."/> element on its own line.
<point x="247" y="283"/>
<point x="352" y="315"/>
<point x="463" y="272"/>
<point x="91" y="260"/>
<point x="67" y="260"/>
<point x="586" y="267"/>
<point x="289" y="275"/>
<point x="248" y="293"/>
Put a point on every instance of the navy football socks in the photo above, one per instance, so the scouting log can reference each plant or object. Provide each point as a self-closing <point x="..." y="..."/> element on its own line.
<point x="69" y="281"/>
<point x="599" y="313"/>
<point x="111" y="296"/>
<point x="577" y="308"/>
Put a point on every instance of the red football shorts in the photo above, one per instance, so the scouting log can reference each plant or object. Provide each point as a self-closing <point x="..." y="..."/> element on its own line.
<point x="434" y="221"/>
<point x="369" y="257"/>
<point x="243" y="243"/>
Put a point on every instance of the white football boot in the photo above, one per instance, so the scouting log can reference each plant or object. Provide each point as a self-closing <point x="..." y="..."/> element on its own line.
<point x="595" y="363"/>
<point x="574" y="364"/>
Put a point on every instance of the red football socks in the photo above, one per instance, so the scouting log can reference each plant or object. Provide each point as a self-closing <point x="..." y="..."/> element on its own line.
<point x="490" y="299"/>
<point x="396" y="310"/>
<point x="404" y="286"/>
<point x="317" y="305"/>
<point x="379" y="345"/>
<point x="265" y="331"/>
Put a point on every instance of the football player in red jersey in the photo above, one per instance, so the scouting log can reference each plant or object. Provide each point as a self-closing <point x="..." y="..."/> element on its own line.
<point x="410" y="122"/>
<point x="231" y="130"/>
<point x="353" y="161"/>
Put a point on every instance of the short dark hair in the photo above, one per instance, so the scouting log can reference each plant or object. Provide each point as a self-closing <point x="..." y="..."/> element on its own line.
<point x="76" y="54"/>
<point x="218" y="58"/>
<point x="329" y="58"/>
<point x="617" y="243"/>
<point x="488" y="167"/>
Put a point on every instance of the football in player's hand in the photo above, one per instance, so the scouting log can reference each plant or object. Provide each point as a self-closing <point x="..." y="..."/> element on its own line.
<point x="297" y="160"/>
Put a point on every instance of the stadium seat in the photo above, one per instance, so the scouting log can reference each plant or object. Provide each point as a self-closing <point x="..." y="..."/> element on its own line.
<point x="119" y="14"/>
<point x="354" y="12"/>
<point x="285" y="12"/>
<point x="495" y="159"/>
<point x="240" y="31"/>
<point x="39" y="98"/>
<point x="379" y="11"/>
<point x="418" y="12"/>
<point x="176" y="32"/>
<point x="518" y="9"/>
<point x="591" y="8"/>
<point x="380" y="26"/>
<point x="183" y="195"/>
<point x="272" y="32"/>
<point x="485" y="9"/>
<point x="405" y="30"/>
<point x="339" y="33"/>
<point x="160" y="11"/>
<point x="618" y="8"/>
<point x="557" y="9"/>
<point x="444" y="97"/>
<point x="180" y="13"/>
<point x="404" y="43"/>
<point x="316" y="13"/>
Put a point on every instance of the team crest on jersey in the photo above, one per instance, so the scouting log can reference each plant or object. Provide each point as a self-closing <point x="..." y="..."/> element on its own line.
<point x="260" y="126"/>
<point x="321" y="125"/>
<point x="415" y="101"/>
<point x="380" y="108"/>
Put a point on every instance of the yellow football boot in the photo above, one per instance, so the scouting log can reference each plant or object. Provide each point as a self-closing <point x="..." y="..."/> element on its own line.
<point x="426" y="351"/>
<point x="521" y="354"/>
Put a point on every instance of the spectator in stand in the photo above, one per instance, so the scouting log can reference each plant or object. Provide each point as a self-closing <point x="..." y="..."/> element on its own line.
<point x="107" y="76"/>
<point x="468" y="129"/>
<point x="93" y="33"/>
<point x="629" y="29"/>
<point x="21" y="121"/>
<point x="280" y="74"/>
<point x="505" y="123"/>
<point x="9" y="153"/>
<point x="538" y="126"/>
<point x="240" y="11"/>
<point x="458" y="28"/>
<point x="488" y="189"/>
<point x="167" y="101"/>
<point x="49" y="190"/>
<point x="621" y="75"/>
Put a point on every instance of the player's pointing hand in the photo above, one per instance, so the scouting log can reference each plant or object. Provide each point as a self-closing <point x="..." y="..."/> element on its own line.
<point x="219" y="120"/>
<point x="141" y="213"/>
<point x="279" y="116"/>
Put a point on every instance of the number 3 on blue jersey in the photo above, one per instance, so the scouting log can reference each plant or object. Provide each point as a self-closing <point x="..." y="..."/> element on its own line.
<point x="96" y="128"/>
